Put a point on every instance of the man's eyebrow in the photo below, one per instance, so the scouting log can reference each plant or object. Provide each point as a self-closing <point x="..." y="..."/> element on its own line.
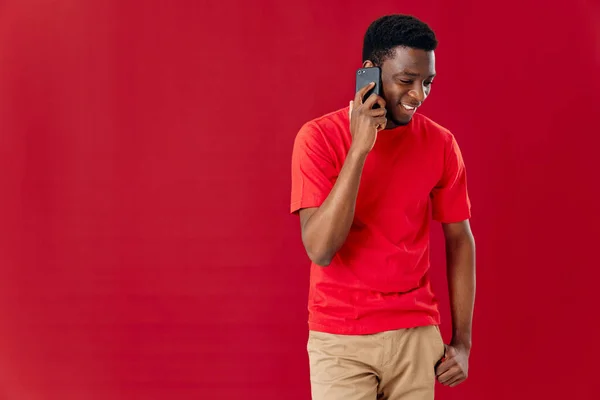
<point x="407" y="73"/>
<point x="410" y="73"/>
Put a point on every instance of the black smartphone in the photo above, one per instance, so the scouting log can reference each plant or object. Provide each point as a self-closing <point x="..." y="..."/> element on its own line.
<point x="364" y="76"/>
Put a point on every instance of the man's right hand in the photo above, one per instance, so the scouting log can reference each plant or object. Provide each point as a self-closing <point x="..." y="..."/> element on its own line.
<point x="366" y="121"/>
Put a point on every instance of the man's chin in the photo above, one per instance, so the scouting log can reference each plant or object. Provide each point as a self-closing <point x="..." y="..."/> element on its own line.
<point x="397" y="118"/>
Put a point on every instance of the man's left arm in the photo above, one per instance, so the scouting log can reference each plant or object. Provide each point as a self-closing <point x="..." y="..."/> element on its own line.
<point x="460" y="261"/>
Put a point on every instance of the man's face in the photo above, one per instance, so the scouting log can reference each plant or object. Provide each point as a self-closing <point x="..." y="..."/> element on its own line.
<point x="406" y="82"/>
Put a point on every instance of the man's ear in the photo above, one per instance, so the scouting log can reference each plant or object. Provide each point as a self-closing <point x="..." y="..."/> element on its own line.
<point x="368" y="64"/>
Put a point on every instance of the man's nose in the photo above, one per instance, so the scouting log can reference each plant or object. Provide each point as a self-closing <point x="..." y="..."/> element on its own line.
<point x="417" y="93"/>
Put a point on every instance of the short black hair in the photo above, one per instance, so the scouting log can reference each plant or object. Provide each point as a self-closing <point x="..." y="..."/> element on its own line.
<point x="391" y="31"/>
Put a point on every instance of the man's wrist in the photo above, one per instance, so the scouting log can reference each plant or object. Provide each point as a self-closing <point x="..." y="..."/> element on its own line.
<point x="357" y="154"/>
<point x="461" y="341"/>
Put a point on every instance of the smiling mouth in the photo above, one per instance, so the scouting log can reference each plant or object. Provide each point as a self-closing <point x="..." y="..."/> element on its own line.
<point x="409" y="108"/>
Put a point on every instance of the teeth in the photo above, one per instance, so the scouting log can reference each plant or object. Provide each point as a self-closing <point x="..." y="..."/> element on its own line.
<point x="408" y="107"/>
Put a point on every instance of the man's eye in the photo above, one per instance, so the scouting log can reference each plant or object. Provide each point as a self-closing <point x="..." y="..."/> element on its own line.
<point x="429" y="83"/>
<point x="406" y="82"/>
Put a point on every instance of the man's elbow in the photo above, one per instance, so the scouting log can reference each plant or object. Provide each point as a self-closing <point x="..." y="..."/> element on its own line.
<point x="320" y="257"/>
<point x="318" y="248"/>
<point x="322" y="262"/>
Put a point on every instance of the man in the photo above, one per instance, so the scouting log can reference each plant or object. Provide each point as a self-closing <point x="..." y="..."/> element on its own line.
<point x="365" y="182"/>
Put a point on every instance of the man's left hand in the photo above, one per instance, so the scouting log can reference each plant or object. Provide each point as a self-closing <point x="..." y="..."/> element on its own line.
<point x="455" y="367"/>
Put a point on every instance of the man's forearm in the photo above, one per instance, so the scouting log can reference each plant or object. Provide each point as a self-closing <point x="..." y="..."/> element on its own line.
<point x="460" y="254"/>
<point x="327" y="229"/>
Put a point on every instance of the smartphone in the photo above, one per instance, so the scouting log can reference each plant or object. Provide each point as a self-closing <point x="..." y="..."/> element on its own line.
<point x="364" y="76"/>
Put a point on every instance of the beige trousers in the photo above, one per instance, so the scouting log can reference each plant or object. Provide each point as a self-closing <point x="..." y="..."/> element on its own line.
<point x="394" y="365"/>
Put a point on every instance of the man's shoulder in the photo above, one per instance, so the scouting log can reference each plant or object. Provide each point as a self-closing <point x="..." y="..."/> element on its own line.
<point x="337" y="117"/>
<point x="330" y="126"/>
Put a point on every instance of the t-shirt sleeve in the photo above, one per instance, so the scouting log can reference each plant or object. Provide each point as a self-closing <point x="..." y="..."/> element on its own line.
<point x="450" y="198"/>
<point x="313" y="169"/>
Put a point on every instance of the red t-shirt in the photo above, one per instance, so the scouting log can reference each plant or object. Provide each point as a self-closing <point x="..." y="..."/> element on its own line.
<point x="378" y="280"/>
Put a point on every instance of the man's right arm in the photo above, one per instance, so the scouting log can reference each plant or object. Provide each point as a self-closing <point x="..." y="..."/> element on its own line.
<point x="325" y="228"/>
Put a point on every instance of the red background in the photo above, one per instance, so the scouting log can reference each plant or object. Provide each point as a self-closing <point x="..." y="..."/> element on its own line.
<point x="146" y="251"/>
